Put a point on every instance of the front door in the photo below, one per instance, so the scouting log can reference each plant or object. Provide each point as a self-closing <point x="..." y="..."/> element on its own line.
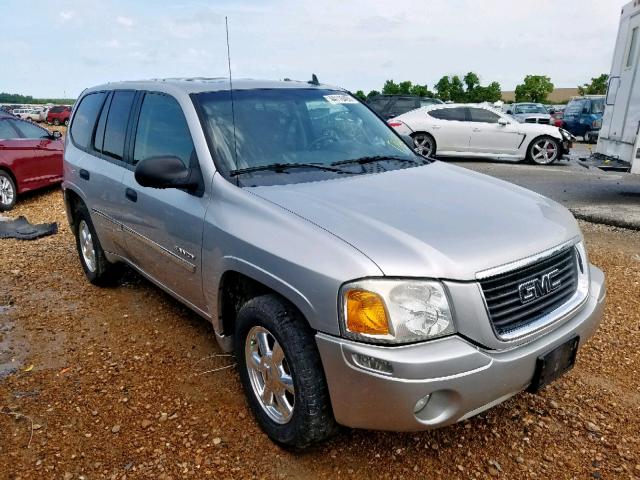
<point x="489" y="136"/>
<point x="450" y="128"/>
<point x="163" y="227"/>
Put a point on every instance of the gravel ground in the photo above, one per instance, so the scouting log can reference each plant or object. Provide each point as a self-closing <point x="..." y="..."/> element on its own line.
<point x="115" y="383"/>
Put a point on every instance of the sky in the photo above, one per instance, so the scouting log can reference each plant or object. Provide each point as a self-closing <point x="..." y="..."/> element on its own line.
<point x="58" y="48"/>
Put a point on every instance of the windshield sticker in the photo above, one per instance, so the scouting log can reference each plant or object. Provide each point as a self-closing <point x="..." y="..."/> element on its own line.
<point x="337" y="99"/>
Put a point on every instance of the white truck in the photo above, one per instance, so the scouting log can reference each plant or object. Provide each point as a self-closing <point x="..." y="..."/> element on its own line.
<point x="619" y="141"/>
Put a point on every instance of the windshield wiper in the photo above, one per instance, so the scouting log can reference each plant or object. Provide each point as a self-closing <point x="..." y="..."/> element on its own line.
<point x="377" y="158"/>
<point x="281" y="167"/>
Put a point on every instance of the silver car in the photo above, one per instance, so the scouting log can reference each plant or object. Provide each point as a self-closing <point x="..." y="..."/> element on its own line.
<point x="529" y="113"/>
<point x="356" y="283"/>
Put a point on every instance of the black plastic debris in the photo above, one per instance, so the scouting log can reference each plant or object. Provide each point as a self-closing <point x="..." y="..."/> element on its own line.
<point x="21" y="229"/>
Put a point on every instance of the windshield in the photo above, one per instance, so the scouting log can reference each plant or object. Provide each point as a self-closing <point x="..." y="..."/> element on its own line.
<point x="597" y="105"/>
<point x="530" y="108"/>
<point x="296" y="126"/>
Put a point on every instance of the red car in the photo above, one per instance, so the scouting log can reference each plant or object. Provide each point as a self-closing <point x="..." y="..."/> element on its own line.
<point x="59" y="115"/>
<point x="30" y="158"/>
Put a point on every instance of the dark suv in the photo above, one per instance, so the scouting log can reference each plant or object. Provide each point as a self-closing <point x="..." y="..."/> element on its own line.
<point x="389" y="106"/>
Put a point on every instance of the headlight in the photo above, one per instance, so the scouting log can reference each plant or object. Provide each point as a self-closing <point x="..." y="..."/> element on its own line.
<point x="394" y="311"/>
<point x="596" y="124"/>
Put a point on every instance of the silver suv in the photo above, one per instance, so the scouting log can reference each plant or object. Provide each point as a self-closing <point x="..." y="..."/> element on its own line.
<point x="356" y="282"/>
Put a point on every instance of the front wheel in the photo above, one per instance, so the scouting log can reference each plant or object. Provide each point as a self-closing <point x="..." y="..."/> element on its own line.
<point x="66" y="122"/>
<point x="281" y="373"/>
<point x="56" y="122"/>
<point x="7" y="192"/>
<point x="424" y="145"/>
<point x="544" y="150"/>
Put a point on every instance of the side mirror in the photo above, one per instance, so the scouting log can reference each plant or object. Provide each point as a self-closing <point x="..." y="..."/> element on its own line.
<point x="509" y="112"/>
<point x="503" y="121"/>
<point x="56" y="135"/>
<point x="164" y="172"/>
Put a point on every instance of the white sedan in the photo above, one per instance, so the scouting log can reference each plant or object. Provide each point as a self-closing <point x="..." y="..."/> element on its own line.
<point x="470" y="130"/>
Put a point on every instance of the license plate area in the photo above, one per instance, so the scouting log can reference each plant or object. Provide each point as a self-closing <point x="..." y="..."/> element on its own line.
<point x="554" y="364"/>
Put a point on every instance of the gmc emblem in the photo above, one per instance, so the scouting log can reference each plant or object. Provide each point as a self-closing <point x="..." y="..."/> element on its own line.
<point x="539" y="287"/>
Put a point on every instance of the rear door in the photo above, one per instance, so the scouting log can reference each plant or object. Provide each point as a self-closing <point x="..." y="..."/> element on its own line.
<point x="450" y="128"/>
<point x="488" y="136"/>
<point x="102" y="166"/>
<point x="163" y="227"/>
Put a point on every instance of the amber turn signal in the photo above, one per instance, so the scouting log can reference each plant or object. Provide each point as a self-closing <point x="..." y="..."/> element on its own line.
<point x="366" y="313"/>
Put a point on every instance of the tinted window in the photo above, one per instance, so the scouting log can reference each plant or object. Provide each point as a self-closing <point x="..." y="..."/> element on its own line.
<point x="403" y="105"/>
<point x="6" y="131"/>
<point x="56" y="109"/>
<point x="457" y="114"/>
<point x="574" y="107"/>
<point x="162" y="130"/>
<point x="482" y="115"/>
<point x="85" y="118"/>
<point x="31" y="131"/>
<point x="116" y="128"/>
<point x="597" y="105"/>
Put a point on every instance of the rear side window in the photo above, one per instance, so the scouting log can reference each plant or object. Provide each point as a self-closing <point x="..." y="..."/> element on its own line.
<point x="85" y="118"/>
<point x="116" y="127"/>
<point x="6" y="131"/>
<point x="482" y="115"/>
<point x="457" y="114"/>
<point x="162" y="130"/>
<point x="403" y="105"/>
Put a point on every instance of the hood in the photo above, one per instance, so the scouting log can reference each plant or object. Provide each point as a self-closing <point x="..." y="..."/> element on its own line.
<point x="437" y="221"/>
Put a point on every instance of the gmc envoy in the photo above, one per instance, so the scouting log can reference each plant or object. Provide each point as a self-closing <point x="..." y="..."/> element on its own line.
<point x="356" y="282"/>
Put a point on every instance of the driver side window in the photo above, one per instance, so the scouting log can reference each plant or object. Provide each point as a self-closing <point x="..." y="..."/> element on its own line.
<point x="31" y="131"/>
<point x="483" y="116"/>
<point x="162" y="130"/>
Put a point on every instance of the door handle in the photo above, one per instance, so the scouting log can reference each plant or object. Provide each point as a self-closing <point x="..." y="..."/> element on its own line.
<point x="477" y="130"/>
<point x="84" y="174"/>
<point x="131" y="194"/>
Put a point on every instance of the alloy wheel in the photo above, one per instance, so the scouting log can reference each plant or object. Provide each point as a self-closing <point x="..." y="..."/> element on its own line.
<point x="86" y="246"/>
<point x="423" y="144"/>
<point x="544" y="151"/>
<point x="269" y="374"/>
<point x="6" y="191"/>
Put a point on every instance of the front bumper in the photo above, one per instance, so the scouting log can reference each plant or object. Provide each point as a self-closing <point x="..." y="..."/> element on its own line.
<point x="460" y="378"/>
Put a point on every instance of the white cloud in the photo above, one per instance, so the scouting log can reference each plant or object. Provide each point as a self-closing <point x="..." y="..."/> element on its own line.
<point x="66" y="15"/>
<point x="125" y="21"/>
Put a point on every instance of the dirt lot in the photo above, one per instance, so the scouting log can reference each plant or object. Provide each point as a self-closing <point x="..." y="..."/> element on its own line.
<point x="112" y="383"/>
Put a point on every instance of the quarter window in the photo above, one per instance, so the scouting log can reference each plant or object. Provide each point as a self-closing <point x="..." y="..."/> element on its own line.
<point x="484" y="116"/>
<point x="162" y="130"/>
<point x="457" y="114"/>
<point x="85" y="118"/>
<point x="116" y="128"/>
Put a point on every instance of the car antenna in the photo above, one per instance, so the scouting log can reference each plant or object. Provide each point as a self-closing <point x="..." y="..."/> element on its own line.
<point x="314" y="80"/>
<point x="233" y="112"/>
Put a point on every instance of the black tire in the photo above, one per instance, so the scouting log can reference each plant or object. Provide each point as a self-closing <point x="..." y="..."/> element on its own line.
<point x="7" y="204"/>
<point x="427" y="136"/>
<point x="312" y="419"/>
<point x="66" y="122"/>
<point x="104" y="273"/>
<point x="56" y="122"/>
<point x="531" y="156"/>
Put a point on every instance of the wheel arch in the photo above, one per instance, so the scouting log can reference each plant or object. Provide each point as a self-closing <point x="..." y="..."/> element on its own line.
<point x="9" y="172"/>
<point x="71" y="201"/>
<point x="234" y="290"/>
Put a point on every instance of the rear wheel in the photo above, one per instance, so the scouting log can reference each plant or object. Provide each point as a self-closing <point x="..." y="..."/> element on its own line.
<point x="8" y="192"/>
<point x="281" y="372"/>
<point x="424" y="144"/>
<point x="544" y="150"/>
<point x="66" y="122"/>
<point x="97" y="268"/>
<point x="56" y="122"/>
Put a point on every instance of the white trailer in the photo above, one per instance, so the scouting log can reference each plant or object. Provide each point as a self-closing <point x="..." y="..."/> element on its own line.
<point x="619" y="139"/>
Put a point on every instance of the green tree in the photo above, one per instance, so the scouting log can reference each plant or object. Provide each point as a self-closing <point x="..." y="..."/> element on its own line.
<point x="457" y="90"/>
<point x="360" y="95"/>
<point x="534" y="88"/>
<point x="405" y="87"/>
<point x="390" y="88"/>
<point x="372" y="94"/>
<point x="598" y="86"/>
<point x="443" y="89"/>
<point x="421" y="91"/>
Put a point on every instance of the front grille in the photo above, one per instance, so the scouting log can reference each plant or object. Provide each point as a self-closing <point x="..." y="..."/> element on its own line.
<point x="503" y="292"/>
<point x="537" y="120"/>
